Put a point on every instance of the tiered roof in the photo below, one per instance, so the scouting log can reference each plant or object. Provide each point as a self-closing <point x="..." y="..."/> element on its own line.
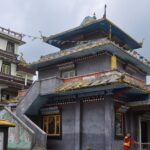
<point x="102" y="25"/>
<point x="90" y="38"/>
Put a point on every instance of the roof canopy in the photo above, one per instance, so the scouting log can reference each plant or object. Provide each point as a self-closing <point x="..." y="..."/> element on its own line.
<point x="95" y="25"/>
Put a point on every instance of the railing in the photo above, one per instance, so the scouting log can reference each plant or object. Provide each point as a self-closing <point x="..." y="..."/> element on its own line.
<point x="41" y="139"/>
<point x="133" y="80"/>
<point x="126" y="78"/>
<point x="45" y="86"/>
<point x="11" y="33"/>
<point x="8" y="54"/>
<point x="92" y="44"/>
<point x="134" y="54"/>
<point x="14" y="79"/>
<point x="72" y="50"/>
<point x="49" y="85"/>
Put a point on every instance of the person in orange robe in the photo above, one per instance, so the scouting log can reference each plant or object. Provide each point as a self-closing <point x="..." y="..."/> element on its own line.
<point x="128" y="142"/>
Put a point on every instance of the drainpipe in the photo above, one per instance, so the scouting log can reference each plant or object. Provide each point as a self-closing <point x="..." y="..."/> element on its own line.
<point x="26" y="80"/>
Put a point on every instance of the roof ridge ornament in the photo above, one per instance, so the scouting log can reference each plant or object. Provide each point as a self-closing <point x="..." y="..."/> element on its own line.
<point x="142" y="42"/>
<point x="105" y="11"/>
<point x="94" y="15"/>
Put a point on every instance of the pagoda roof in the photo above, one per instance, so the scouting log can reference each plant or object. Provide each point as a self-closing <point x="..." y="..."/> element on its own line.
<point x="100" y="24"/>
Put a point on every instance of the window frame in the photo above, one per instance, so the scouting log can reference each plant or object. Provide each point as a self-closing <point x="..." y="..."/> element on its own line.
<point x="54" y="135"/>
<point x="68" y="71"/>
<point x="6" y="64"/>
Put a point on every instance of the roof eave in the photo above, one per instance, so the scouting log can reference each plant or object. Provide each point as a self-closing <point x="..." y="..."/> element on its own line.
<point x="111" y="47"/>
<point x="56" y="36"/>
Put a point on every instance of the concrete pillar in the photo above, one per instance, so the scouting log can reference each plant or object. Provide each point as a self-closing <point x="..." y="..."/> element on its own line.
<point x="13" y="69"/>
<point x="140" y="134"/>
<point x="108" y="123"/>
<point x="1" y="65"/>
<point x="0" y="94"/>
<point x="78" y="125"/>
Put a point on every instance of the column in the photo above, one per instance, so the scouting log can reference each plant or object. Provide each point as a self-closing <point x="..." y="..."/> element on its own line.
<point x="108" y="123"/>
<point x="77" y="125"/>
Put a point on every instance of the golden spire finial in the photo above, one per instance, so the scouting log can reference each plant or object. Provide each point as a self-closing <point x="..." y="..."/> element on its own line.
<point x="22" y="60"/>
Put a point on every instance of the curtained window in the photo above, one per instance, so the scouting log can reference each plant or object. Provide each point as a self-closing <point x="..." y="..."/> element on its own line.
<point x="6" y="68"/>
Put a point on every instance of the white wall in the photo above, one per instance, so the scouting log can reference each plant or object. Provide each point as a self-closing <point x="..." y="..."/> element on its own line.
<point x="16" y="48"/>
<point x="3" y="44"/>
<point x="13" y="69"/>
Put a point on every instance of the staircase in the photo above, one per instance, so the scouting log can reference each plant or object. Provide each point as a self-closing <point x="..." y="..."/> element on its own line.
<point x="34" y="94"/>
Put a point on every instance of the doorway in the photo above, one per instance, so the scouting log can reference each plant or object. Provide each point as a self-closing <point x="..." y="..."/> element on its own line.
<point x="145" y="134"/>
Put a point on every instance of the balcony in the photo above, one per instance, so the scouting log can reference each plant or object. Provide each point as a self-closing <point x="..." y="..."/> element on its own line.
<point x="14" y="81"/>
<point x="49" y="85"/>
<point x="10" y="33"/>
<point x="10" y="57"/>
<point x="101" y="79"/>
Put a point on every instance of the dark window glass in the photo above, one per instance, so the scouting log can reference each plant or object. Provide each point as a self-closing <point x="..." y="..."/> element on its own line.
<point x="51" y="124"/>
<point x="10" y="47"/>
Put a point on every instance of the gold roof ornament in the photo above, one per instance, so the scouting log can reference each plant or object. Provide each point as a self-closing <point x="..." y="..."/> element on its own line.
<point x="6" y="123"/>
<point x="94" y="15"/>
<point x="22" y="61"/>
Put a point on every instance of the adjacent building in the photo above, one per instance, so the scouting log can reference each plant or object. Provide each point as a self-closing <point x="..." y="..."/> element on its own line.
<point x="91" y="92"/>
<point x="15" y="73"/>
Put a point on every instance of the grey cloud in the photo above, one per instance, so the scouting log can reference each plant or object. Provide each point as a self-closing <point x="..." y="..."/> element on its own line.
<point x="53" y="16"/>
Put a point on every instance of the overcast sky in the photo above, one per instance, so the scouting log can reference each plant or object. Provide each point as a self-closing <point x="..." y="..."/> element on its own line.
<point x="54" y="16"/>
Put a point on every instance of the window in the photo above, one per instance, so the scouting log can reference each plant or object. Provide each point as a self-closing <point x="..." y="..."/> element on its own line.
<point x="119" y="124"/>
<point x="10" y="47"/>
<point x="6" y="68"/>
<point x="51" y="124"/>
<point x="68" y="74"/>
